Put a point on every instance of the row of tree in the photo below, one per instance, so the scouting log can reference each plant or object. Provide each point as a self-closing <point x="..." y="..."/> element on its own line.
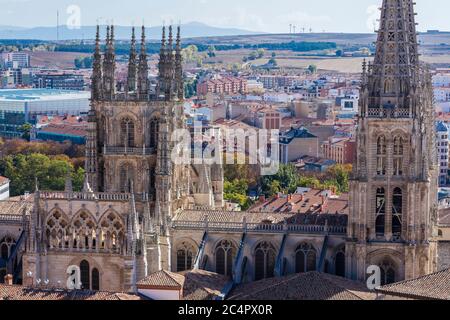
<point x="50" y="173"/>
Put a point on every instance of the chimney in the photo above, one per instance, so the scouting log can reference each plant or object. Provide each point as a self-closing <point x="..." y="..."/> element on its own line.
<point x="262" y="198"/>
<point x="9" y="280"/>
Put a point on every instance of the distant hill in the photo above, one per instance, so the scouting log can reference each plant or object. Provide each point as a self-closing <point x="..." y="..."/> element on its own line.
<point x="189" y="30"/>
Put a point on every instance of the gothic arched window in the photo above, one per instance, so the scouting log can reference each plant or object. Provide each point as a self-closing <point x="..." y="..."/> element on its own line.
<point x="154" y="131"/>
<point x="185" y="257"/>
<point x="380" y="212"/>
<point x="305" y="258"/>
<point x="225" y="253"/>
<point x="398" y="156"/>
<point x="340" y="264"/>
<point x="4" y="251"/>
<point x="381" y="156"/>
<point x="127" y="132"/>
<point x="397" y="211"/>
<point x="85" y="275"/>
<point x="95" y="279"/>
<point x="264" y="261"/>
<point x="57" y="232"/>
<point x="112" y="234"/>
<point x="126" y="177"/>
<point x="387" y="273"/>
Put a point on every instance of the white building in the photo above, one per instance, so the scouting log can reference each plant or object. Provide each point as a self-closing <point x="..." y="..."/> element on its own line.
<point x="4" y="188"/>
<point x="443" y="152"/>
<point x="18" y="107"/>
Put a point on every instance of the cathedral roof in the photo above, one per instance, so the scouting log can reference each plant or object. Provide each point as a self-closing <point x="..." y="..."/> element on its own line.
<point x="263" y="217"/>
<point x="164" y="279"/>
<point x="303" y="286"/>
<point x="435" y="286"/>
<point x="13" y="292"/>
<point x="193" y="285"/>
<point x="16" y="207"/>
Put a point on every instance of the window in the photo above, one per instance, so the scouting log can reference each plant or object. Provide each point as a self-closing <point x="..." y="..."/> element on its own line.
<point x="340" y="264"/>
<point x="127" y="132"/>
<point x="126" y="177"/>
<point x="95" y="279"/>
<point x="380" y="212"/>
<point x="4" y="252"/>
<point x="185" y="257"/>
<point x="381" y="156"/>
<point x="264" y="261"/>
<point x="154" y="131"/>
<point x="398" y="156"/>
<point x="225" y="253"/>
<point x="387" y="273"/>
<point x="305" y="258"/>
<point x="397" y="210"/>
<point x="85" y="278"/>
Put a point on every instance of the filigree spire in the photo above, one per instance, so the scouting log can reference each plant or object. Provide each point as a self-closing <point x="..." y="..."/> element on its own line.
<point x="396" y="60"/>
<point x="143" y="68"/>
<point x="132" y="63"/>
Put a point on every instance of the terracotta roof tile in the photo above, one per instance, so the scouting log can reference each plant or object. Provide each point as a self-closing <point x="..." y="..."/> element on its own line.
<point x="304" y="286"/>
<point x="435" y="286"/>
<point x="163" y="279"/>
<point x="23" y="293"/>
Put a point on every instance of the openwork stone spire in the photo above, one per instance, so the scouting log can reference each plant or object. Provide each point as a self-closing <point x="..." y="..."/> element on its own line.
<point x="179" y="67"/>
<point x="143" y="68"/>
<point x="97" y="69"/>
<point x="132" y="64"/>
<point x="109" y="66"/>
<point x="394" y="73"/>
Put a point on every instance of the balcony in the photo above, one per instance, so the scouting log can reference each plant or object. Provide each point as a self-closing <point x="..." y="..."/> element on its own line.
<point x="388" y="113"/>
<point x="128" y="151"/>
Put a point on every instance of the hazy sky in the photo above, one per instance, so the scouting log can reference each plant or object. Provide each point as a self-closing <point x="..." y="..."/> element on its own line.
<point x="257" y="15"/>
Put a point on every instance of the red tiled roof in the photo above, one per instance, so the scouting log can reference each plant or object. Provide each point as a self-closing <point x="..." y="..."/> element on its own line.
<point x="304" y="286"/>
<point x="435" y="286"/>
<point x="163" y="278"/>
<point x="3" y="180"/>
<point x="8" y="292"/>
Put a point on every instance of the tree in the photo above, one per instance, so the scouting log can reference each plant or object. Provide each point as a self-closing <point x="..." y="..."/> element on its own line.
<point x="260" y="53"/>
<point x="312" y="69"/>
<point x="50" y="172"/>
<point x="25" y="129"/>
<point x="211" y="51"/>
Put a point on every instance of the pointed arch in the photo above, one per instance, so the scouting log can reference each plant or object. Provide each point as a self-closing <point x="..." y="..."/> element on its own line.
<point x="185" y="251"/>
<point x="57" y="230"/>
<point x="127" y="174"/>
<point x="225" y="253"/>
<point x="83" y="227"/>
<point x="305" y="258"/>
<point x="381" y="151"/>
<point x="111" y="232"/>
<point x="265" y="256"/>
<point x="380" y="213"/>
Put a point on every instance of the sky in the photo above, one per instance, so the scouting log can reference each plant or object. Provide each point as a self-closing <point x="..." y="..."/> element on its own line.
<point x="273" y="16"/>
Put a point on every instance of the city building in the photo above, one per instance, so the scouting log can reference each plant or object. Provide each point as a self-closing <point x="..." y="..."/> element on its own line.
<point x="16" y="60"/>
<point x="4" y="188"/>
<point x="296" y="143"/>
<point x="59" y="81"/>
<point x="225" y="85"/>
<point x="18" y="107"/>
<point x="342" y="150"/>
<point x="442" y="145"/>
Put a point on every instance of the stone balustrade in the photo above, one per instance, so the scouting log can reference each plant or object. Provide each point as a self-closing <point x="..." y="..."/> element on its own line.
<point x="258" y="227"/>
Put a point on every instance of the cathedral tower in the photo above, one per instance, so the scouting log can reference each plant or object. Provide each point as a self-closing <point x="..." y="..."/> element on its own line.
<point x="393" y="199"/>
